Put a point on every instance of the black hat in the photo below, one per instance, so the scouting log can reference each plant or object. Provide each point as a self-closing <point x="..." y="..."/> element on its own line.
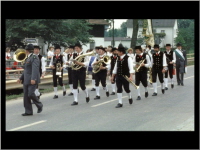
<point x="138" y="47"/>
<point x="57" y="47"/>
<point x="113" y="49"/>
<point x="29" y="47"/>
<point x="37" y="47"/>
<point x="71" y="46"/>
<point x="78" y="44"/>
<point x="156" y="46"/>
<point x="168" y="44"/>
<point x="179" y="44"/>
<point x="102" y="48"/>
<point x="97" y="47"/>
<point x="121" y="48"/>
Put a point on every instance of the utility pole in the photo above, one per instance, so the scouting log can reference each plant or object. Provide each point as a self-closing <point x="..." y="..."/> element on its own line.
<point x="113" y="34"/>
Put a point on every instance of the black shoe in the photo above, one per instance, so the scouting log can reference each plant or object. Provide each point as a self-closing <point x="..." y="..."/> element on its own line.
<point x="182" y="84"/>
<point x="130" y="101"/>
<point x="138" y="98"/>
<point x="93" y="89"/>
<point x="166" y="88"/>
<point x="64" y="93"/>
<point x="39" y="96"/>
<point x="97" y="97"/>
<point x="40" y="110"/>
<point x="119" y="105"/>
<point x="172" y="86"/>
<point x="154" y="94"/>
<point x="146" y="94"/>
<point x="87" y="99"/>
<point x="107" y="94"/>
<point x="55" y="96"/>
<point x="113" y="93"/>
<point x="25" y="114"/>
<point x="74" y="103"/>
<point x="163" y="91"/>
<point x="178" y="84"/>
<point x="70" y="94"/>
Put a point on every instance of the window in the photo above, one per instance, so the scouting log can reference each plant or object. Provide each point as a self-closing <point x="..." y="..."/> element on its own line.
<point x="162" y="31"/>
<point x="154" y="30"/>
<point x="92" y="45"/>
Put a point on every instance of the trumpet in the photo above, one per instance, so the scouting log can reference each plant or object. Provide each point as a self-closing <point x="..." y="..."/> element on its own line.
<point x="106" y="59"/>
<point x="131" y="82"/>
<point x="142" y="61"/>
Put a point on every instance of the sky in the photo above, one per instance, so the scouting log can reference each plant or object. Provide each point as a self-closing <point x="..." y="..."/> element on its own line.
<point x="118" y="22"/>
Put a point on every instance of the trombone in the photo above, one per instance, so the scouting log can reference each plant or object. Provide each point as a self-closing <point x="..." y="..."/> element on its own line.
<point x="131" y="82"/>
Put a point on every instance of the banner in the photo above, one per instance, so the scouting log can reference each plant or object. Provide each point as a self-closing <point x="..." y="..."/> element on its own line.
<point x="148" y="32"/>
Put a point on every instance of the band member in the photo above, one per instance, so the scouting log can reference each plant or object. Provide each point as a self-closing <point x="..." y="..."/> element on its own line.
<point x="114" y="58"/>
<point x="124" y="66"/>
<point x="102" y="74"/>
<point x="181" y="63"/>
<point x="79" y="75"/>
<point x="42" y="68"/>
<point x="159" y="67"/>
<point x="30" y="78"/>
<point x="171" y="59"/>
<point x="73" y="55"/>
<point x="141" y="75"/>
<point x="58" y="58"/>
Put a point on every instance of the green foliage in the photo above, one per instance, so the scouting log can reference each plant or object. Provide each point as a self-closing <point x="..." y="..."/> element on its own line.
<point x="55" y="31"/>
<point x="121" y="32"/>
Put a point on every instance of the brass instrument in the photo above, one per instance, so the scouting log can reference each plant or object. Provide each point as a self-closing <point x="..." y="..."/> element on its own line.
<point x="79" y="59"/>
<point x="58" y="69"/>
<point x="20" y="55"/>
<point x="142" y="61"/>
<point x="150" y="75"/>
<point x="131" y="82"/>
<point x="106" y="59"/>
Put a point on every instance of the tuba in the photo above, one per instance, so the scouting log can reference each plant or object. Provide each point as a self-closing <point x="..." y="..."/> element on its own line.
<point x="20" y="55"/>
<point x="106" y="59"/>
<point x="79" y="59"/>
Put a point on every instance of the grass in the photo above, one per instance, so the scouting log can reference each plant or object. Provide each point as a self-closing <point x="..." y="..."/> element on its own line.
<point x="47" y="90"/>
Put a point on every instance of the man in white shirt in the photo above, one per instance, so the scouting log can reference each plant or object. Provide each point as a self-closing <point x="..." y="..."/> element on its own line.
<point x="171" y="60"/>
<point x="58" y="58"/>
<point x="141" y="75"/>
<point x="159" y="67"/>
<point x="123" y="67"/>
<point x="102" y="74"/>
<point x="50" y="53"/>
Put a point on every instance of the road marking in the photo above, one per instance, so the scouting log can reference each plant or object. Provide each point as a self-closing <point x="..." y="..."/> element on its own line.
<point x="28" y="125"/>
<point x="107" y="102"/>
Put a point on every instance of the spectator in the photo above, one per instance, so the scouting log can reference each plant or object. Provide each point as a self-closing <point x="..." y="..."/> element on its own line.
<point x="130" y="53"/>
<point x="109" y="53"/>
<point x="8" y="56"/>
<point x="50" y="52"/>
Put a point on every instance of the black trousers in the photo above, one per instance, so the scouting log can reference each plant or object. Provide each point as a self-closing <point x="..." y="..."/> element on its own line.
<point x="56" y="79"/>
<point x="114" y="80"/>
<point x="37" y="84"/>
<point x="70" y="75"/>
<point x="101" y="77"/>
<point x="170" y="71"/>
<point x="179" y="72"/>
<point x="121" y="81"/>
<point x="155" y="73"/>
<point x="79" y="75"/>
<point x="141" y="76"/>
<point x="93" y="76"/>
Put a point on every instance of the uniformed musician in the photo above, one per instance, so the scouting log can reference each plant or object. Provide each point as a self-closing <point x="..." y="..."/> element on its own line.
<point x="158" y="68"/>
<point x="58" y="58"/>
<point x="30" y="78"/>
<point x="124" y="66"/>
<point x="141" y="75"/>
<point x="102" y="74"/>
<point x="79" y="75"/>
<point x="171" y="60"/>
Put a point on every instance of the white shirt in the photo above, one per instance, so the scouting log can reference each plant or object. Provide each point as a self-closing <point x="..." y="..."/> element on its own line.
<point x="130" y="65"/>
<point x="43" y="64"/>
<point x="181" y="53"/>
<point x="164" y="59"/>
<point x="50" y="53"/>
<point x="63" y="59"/>
<point x="109" y="54"/>
<point x="145" y="65"/>
<point x="7" y="54"/>
<point x="174" y="56"/>
<point x="131" y="55"/>
<point x="95" y="60"/>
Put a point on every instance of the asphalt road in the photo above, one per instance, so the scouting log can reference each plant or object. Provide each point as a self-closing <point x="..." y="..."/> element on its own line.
<point x="172" y="111"/>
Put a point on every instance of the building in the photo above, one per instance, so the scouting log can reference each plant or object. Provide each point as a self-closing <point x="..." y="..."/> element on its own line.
<point x="124" y="40"/>
<point x="167" y="26"/>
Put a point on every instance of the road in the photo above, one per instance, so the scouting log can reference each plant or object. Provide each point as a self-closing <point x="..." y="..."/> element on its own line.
<point x="172" y="111"/>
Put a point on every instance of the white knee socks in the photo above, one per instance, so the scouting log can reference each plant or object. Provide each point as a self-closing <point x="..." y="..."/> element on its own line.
<point x="71" y="87"/>
<point x="172" y="82"/>
<point x="55" y="90"/>
<point x="86" y="92"/>
<point x="113" y="87"/>
<point x="155" y="87"/>
<point x="64" y="88"/>
<point x="97" y="90"/>
<point x="162" y="86"/>
<point x="166" y="82"/>
<point x="93" y="84"/>
<point x="119" y="95"/>
<point x="75" y="92"/>
<point x="138" y="91"/>
<point x="129" y="95"/>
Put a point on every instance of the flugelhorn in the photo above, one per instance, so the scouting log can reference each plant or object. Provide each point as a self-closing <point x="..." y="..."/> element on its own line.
<point x="131" y="82"/>
<point x="106" y="59"/>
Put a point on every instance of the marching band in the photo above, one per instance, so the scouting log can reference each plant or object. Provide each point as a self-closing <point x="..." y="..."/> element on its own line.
<point x="116" y="63"/>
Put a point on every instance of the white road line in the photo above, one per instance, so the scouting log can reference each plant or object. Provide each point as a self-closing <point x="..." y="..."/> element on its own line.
<point x="28" y="125"/>
<point x="107" y="102"/>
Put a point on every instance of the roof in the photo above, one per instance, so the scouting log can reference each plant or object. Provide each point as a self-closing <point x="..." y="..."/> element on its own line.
<point x="117" y="39"/>
<point x="98" y="21"/>
<point x="155" y="22"/>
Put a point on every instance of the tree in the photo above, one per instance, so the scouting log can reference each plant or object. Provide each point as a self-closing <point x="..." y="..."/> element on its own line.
<point x="121" y="32"/>
<point x="134" y="34"/>
<point x="123" y="29"/>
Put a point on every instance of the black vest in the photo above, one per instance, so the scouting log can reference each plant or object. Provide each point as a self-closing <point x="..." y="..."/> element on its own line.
<point x="122" y="66"/>
<point x="113" y="61"/>
<point x="169" y="56"/>
<point x="68" y="56"/>
<point x="158" y="61"/>
<point x="40" y="68"/>
<point x="59" y="60"/>
<point x="138" y="59"/>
